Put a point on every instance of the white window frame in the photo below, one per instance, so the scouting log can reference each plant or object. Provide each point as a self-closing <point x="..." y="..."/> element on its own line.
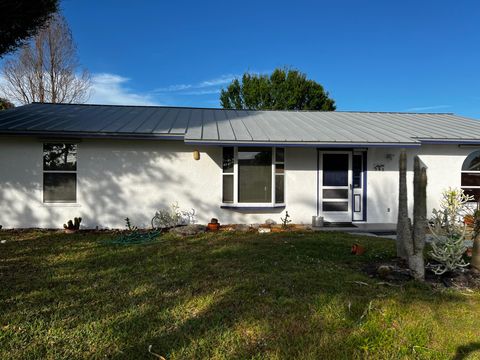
<point x="469" y="172"/>
<point x="59" y="172"/>
<point x="464" y="187"/>
<point x="271" y="204"/>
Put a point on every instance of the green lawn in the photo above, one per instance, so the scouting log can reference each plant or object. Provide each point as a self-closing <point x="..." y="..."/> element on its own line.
<point x="221" y="296"/>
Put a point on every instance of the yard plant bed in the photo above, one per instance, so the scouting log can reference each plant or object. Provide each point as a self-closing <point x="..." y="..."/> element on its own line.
<point x="396" y="271"/>
<point x="221" y="296"/>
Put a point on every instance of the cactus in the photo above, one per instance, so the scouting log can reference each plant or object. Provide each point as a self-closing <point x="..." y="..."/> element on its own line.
<point x="411" y="239"/>
<point x="415" y="247"/>
<point x="73" y="225"/>
<point x="404" y="231"/>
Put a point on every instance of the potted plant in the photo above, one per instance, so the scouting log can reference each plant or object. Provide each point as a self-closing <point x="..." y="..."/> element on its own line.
<point x="469" y="220"/>
<point x="213" y="225"/>
<point x="358" y="249"/>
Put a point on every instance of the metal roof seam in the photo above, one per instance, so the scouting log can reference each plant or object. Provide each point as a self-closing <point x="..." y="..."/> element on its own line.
<point x="243" y="123"/>
<point x="230" y="123"/>
<point x="160" y="120"/>
<point x="139" y="125"/>
<point x="361" y="127"/>
<point x="365" y="118"/>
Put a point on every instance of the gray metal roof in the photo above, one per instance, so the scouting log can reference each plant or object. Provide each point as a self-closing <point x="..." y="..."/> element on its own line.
<point x="220" y="126"/>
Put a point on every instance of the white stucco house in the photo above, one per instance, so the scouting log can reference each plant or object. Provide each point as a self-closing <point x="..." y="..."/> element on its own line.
<point x="105" y="163"/>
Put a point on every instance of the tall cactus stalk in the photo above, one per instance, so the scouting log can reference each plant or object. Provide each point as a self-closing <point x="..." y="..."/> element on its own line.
<point x="416" y="245"/>
<point x="475" y="262"/>
<point x="404" y="231"/>
<point x="411" y="240"/>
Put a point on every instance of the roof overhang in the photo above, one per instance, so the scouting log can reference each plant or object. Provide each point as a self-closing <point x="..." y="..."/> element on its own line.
<point x="302" y="144"/>
<point x="450" y="141"/>
<point x="88" y="135"/>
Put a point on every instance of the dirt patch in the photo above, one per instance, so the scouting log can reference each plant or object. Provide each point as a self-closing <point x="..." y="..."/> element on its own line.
<point x="396" y="272"/>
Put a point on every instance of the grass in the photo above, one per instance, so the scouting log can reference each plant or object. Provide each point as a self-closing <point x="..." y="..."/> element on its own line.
<point x="220" y="296"/>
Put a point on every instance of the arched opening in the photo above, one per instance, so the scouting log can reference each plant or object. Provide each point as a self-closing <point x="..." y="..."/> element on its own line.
<point x="470" y="182"/>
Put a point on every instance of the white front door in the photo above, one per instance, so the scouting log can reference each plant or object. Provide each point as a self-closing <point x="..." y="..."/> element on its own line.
<point x="336" y="186"/>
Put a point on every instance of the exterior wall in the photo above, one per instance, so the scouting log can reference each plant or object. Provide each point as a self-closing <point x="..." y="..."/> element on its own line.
<point x="443" y="163"/>
<point x="120" y="178"/>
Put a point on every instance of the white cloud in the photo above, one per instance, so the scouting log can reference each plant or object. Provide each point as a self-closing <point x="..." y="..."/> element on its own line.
<point x="211" y="86"/>
<point x="427" y="108"/>
<point x="202" y="92"/>
<point x="112" y="89"/>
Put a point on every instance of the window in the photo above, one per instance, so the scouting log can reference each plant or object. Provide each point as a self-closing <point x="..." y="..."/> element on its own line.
<point x="59" y="173"/>
<point x="253" y="175"/>
<point x="471" y="175"/>
<point x="228" y="161"/>
<point x="279" y="175"/>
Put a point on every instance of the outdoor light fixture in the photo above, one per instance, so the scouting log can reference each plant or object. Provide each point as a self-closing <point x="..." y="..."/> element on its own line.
<point x="389" y="156"/>
<point x="196" y="155"/>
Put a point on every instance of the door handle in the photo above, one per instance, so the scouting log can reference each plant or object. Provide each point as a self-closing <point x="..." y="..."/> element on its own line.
<point x="350" y="185"/>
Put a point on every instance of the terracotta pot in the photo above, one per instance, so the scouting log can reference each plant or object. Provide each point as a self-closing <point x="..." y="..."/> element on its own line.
<point x="213" y="226"/>
<point x="468" y="220"/>
<point x="357" y="249"/>
<point x="469" y="252"/>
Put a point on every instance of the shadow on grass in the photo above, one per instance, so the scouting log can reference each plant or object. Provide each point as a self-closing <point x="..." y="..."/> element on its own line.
<point x="223" y="295"/>
<point x="465" y="350"/>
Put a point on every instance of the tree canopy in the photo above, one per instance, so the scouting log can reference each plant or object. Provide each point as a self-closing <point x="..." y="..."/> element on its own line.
<point x="5" y="104"/>
<point x="46" y="69"/>
<point x="284" y="89"/>
<point x="20" y="19"/>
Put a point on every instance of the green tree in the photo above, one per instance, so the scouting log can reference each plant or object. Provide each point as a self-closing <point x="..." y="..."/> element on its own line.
<point x="284" y="89"/>
<point x="5" y="104"/>
<point x="20" y="19"/>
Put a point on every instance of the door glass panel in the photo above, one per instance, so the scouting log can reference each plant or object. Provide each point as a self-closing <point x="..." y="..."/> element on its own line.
<point x="335" y="193"/>
<point x="335" y="206"/>
<point x="335" y="169"/>
<point x="357" y="204"/>
<point x="279" y="154"/>
<point x="357" y="171"/>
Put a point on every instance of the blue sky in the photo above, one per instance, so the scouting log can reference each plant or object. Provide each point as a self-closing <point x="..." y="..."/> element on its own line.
<point x="370" y="55"/>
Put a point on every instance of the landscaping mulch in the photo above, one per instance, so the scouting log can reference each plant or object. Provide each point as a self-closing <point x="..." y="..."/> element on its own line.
<point x="395" y="271"/>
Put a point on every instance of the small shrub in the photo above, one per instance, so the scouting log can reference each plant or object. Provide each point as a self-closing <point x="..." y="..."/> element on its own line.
<point x="448" y="230"/>
<point x="286" y="221"/>
<point x="129" y="225"/>
<point x="173" y="216"/>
